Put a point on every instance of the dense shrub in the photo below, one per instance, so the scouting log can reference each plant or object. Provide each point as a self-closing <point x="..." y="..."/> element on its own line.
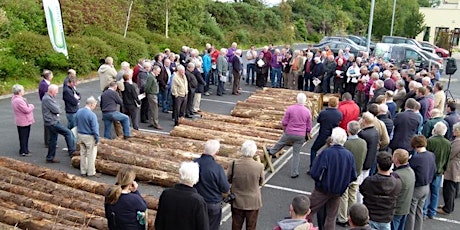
<point x="14" y="68"/>
<point x="94" y="46"/>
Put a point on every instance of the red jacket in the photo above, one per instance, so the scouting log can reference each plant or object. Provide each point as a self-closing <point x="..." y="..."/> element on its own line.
<point x="350" y="112"/>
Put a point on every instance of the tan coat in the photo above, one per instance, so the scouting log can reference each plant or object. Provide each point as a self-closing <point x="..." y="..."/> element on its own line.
<point x="245" y="180"/>
<point x="179" y="87"/>
<point x="453" y="167"/>
<point x="383" y="133"/>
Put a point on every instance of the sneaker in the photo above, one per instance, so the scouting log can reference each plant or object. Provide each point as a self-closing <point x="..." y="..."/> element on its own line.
<point x="52" y="161"/>
<point x="207" y="94"/>
<point x="25" y="154"/>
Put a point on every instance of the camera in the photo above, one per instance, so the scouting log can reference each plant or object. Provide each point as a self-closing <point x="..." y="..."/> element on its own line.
<point x="231" y="197"/>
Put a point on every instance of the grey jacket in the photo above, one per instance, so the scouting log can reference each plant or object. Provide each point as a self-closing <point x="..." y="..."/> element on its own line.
<point x="50" y="110"/>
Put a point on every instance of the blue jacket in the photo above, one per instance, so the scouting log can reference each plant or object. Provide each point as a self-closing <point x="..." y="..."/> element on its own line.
<point x="424" y="166"/>
<point x="213" y="181"/>
<point x="333" y="170"/>
<point x="327" y="119"/>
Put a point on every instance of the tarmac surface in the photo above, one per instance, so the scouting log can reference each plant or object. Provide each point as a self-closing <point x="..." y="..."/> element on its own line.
<point x="277" y="191"/>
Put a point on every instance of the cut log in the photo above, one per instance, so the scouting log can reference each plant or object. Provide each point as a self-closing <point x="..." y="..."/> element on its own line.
<point x="230" y="128"/>
<point x="260" y="114"/>
<point x="61" y="183"/>
<point x="114" y="154"/>
<point x="72" y="215"/>
<point x="268" y="106"/>
<point x="26" y="221"/>
<point x="38" y="214"/>
<point x="95" y="206"/>
<point x="7" y="227"/>
<point x="143" y="174"/>
<point x="224" y="137"/>
<point x="172" y="154"/>
<point x="242" y="121"/>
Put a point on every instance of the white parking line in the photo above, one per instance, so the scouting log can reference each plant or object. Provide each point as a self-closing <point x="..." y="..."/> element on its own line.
<point x="287" y="189"/>
<point x="224" y="102"/>
<point x="447" y="220"/>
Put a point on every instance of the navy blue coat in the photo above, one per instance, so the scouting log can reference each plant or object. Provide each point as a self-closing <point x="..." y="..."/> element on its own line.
<point x="405" y="127"/>
<point x="327" y="120"/>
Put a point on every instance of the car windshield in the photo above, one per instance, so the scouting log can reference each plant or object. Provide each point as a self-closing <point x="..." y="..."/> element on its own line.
<point x="426" y="44"/>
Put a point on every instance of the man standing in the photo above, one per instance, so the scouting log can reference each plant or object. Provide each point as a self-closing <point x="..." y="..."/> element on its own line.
<point x="237" y="69"/>
<point x="439" y="97"/>
<point x="192" y="85"/>
<point x="213" y="182"/>
<point x="109" y="101"/>
<point x="349" y="109"/>
<point x="230" y="55"/>
<point x="42" y="90"/>
<point x="108" y="73"/>
<point x="297" y="124"/>
<point x="452" y="117"/>
<point x="88" y="137"/>
<point x="333" y="171"/>
<point x="151" y="92"/>
<point x="222" y="71"/>
<point x="71" y="98"/>
<point x="405" y="126"/>
<point x="179" y="89"/>
<point x="251" y="56"/>
<point x="131" y="102"/>
<point x="308" y="68"/>
<point x="380" y="192"/>
<point x="182" y="207"/>
<point x="405" y="173"/>
<point x="440" y="146"/>
<point x="142" y="77"/>
<point x="298" y="210"/>
<point x="327" y="120"/>
<point x="358" y="148"/>
<point x="50" y="111"/>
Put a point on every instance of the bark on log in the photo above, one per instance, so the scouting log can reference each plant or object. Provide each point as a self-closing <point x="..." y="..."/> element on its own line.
<point x="230" y="128"/>
<point x="107" y="152"/>
<point x="8" y="227"/>
<point x="268" y="106"/>
<point x="54" y="175"/>
<point x="242" y="121"/>
<point x="95" y="206"/>
<point x="171" y="151"/>
<point x="38" y="214"/>
<point x="143" y="174"/>
<point x="26" y="221"/>
<point x="44" y="180"/>
<point x="260" y="114"/>
<point x="68" y="214"/>
<point x="224" y="137"/>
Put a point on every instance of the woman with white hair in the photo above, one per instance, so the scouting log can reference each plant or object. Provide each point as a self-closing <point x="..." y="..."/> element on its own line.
<point x="24" y="117"/>
<point x="246" y="176"/>
<point x="181" y="207"/>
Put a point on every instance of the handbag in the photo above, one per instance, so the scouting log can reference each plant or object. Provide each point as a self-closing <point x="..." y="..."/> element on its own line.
<point x="232" y="196"/>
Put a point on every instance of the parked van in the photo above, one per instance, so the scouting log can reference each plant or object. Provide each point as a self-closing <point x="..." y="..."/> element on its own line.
<point x="400" y="54"/>
<point x="403" y="40"/>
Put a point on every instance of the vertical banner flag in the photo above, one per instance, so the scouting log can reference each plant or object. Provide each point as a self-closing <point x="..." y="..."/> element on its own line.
<point x="55" y="26"/>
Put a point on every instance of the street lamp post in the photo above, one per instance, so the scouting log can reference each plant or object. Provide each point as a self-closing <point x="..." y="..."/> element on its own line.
<point x="369" y="31"/>
<point x="393" y="18"/>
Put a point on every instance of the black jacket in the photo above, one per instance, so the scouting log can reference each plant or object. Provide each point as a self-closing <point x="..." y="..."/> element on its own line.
<point x="130" y="95"/>
<point x="191" y="79"/>
<point x="200" y="81"/>
<point x="71" y="103"/>
<point x="372" y="138"/>
<point x="387" y="121"/>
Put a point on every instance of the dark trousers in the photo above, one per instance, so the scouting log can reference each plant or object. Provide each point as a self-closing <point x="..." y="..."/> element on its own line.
<point x="54" y="130"/>
<point x="449" y="191"/>
<point x="132" y="111"/>
<point x="190" y="100"/>
<point x="144" y="116"/>
<point x="46" y="135"/>
<point x="179" y="108"/>
<point x="309" y="86"/>
<point x="23" y="132"/>
<point x="331" y="202"/>
<point x="238" y="217"/>
<point x="351" y="88"/>
<point x="236" y="81"/>
<point x="215" y="215"/>
<point x="300" y="81"/>
<point x="261" y="79"/>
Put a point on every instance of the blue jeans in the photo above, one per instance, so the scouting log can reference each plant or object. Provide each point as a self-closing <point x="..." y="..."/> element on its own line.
<point x="230" y="72"/>
<point x="379" y="226"/>
<point x="251" y="68"/>
<point x="70" y="120"/>
<point x="431" y="202"/>
<point x="162" y="100"/>
<point x="207" y="79"/>
<point x="275" y="72"/>
<point x="54" y="130"/>
<point x="109" y="117"/>
<point x="169" y="102"/>
<point x="398" y="223"/>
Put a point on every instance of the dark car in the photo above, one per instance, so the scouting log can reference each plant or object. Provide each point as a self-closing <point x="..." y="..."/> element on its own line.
<point x="339" y="39"/>
<point x="438" y="50"/>
<point x="336" y="46"/>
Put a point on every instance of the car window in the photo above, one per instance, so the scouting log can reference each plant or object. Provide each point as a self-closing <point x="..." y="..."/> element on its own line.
<point x="332" y="45"/>
<point x="412" y="54"/>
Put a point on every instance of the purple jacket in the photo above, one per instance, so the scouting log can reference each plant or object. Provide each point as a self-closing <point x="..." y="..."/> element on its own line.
<point x="23" y="112"/>
<point x="297" y="120"/>
<point x="274" y="63"/>
<point x="230" y="54"/>
<point x="42" y="88"/>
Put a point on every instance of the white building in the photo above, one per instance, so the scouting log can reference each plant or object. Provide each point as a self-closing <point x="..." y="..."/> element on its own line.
<point x="445" y="17"/>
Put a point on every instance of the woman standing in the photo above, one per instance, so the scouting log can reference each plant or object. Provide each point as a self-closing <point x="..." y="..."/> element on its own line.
<point x="246" y="175"/>
<point x="124" y="206"/>
<point x="24" y="116"/>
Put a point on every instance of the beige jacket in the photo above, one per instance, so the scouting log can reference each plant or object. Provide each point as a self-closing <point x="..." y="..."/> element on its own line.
<point x="452" y="172"/>
<point x="179" y="87"/>
<point x="383" y="133"/>
<point x="245" y="180"/>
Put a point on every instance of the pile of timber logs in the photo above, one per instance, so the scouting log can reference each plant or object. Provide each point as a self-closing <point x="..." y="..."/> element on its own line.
<point x="34" y="197"/>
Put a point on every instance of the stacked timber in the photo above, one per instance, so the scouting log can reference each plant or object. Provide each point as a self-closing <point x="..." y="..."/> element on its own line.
<point x="34" y="197"/>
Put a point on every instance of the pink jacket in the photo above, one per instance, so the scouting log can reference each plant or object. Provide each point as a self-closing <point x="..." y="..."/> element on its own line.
<point x="23" y="112"/>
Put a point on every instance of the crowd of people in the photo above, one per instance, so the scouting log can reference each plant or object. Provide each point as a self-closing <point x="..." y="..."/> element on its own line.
<point x="386" y="144"/>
